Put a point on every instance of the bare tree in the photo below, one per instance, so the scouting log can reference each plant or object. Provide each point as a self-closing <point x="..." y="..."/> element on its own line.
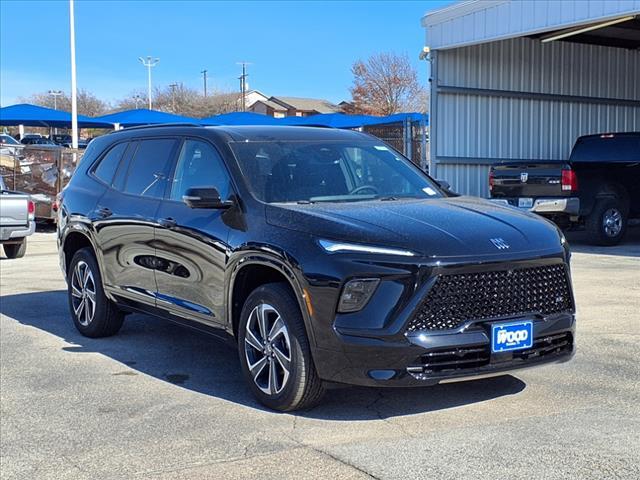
<point x="88" y="103"/>
<point x="385" y="84"/>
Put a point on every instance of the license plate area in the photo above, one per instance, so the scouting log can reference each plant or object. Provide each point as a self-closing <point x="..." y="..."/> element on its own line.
<point x="511" y="336"/>
<point x="525" y="202"/>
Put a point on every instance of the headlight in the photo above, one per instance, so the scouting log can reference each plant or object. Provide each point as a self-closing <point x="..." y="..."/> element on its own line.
<point x="356" y="294"/>
<point x="331" y="246"/>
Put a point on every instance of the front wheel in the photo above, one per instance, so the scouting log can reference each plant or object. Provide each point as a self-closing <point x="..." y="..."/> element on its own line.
<point x="94" y="315"/>
<point x="15" y="250"/>
<point x="607" y="223"/>
<point x="274" y="350"/>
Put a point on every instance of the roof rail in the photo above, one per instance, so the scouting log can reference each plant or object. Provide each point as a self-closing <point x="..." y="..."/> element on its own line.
<point x="160" y="125"/>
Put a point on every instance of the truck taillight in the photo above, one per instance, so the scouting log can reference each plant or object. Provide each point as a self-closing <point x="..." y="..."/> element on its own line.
<point x="491" y="179"/>
<point x="569" y="181"/>
<point x="32" y="210"/>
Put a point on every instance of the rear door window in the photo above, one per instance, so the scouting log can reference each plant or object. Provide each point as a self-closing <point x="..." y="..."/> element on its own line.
<point x="107" y="167"/>
<point x="607" y="147"/>
<point x="149" y="168"/>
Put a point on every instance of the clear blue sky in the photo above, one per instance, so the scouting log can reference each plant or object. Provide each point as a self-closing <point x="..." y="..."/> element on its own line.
<point x="296" y="48"/>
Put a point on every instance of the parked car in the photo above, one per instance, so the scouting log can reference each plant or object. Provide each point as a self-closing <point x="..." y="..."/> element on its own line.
<point x="17" y="221"/>
<point x="67" y="142"/>
<point x="597" y="189"/>
<point x="39" y="142"/>
<point x="326" y="255"/>
<point x="9" y="146"/>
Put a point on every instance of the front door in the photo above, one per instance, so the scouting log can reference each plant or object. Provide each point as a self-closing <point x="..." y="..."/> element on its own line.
<point x="191" y="243"/>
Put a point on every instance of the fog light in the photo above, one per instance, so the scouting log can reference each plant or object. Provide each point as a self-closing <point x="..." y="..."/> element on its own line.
<point x="356" y="293"/>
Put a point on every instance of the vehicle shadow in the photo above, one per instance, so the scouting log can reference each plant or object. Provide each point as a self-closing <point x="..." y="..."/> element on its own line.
<point x="201" y="363"/>
<point x="629" y="247"/>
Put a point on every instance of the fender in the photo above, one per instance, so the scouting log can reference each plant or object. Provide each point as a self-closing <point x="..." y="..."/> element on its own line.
<point x="280" y="261"/>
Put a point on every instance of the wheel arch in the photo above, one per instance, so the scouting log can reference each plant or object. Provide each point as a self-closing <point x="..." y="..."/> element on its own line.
<point x="73" y="241"/>
<point x="255" y="270"/>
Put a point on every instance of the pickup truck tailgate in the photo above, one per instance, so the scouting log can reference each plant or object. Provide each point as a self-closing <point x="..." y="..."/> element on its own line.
<point x="14" y="209"/>
<point x="528" y="180"/>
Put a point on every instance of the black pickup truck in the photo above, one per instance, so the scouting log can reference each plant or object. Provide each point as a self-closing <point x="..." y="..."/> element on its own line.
<point x="597" y="189"/>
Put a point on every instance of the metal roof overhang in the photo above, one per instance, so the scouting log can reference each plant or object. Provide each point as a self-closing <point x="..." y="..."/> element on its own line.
<point x="597" y="22"/>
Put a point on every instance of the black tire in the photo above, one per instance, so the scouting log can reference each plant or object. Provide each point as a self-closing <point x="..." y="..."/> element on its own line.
<point x="303" y="389"/>
<point x="596" y="223"/>
<point x="15" y="250"/>
<point x="106" y="319"/>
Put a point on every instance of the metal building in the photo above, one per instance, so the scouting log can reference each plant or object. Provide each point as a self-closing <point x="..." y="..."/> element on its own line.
<point x="522" y="79"/>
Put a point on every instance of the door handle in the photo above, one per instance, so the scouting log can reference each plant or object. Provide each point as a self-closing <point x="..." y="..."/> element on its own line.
<point x="167" y="222"/>
<point x="104" y="212"/>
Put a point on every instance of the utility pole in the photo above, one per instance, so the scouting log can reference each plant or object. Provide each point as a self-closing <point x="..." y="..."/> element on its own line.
<point x="55" y="94"/>
<point x="173" y="87"/>
<point x="149" y="62"/>
<point x="243" y="85"/>
<point x="204" y="77"/>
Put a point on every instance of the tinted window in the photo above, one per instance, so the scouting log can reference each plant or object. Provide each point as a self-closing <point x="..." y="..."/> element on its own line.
<point x="199" y="165"/>
<point x="608" y="147"/>
<point x="334" y="171"/>
<point x="109" y="163"/>
<point x="149" y="168"/>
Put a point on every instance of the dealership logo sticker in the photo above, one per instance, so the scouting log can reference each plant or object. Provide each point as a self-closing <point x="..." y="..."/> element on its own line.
<point x="524" y="176"/>
<point x="499" y="243"/>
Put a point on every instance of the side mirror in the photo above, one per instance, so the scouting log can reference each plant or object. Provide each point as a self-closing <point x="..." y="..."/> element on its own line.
<point x="205" y="197"/>
<point x="444" y="184"/>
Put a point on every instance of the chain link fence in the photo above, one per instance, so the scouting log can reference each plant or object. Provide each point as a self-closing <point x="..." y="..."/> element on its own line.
<point x="410" y="138"/>
<point x="40" y="172"/>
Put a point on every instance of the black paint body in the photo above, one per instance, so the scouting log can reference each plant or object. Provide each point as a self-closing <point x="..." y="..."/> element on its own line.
<point x="187" y="270"/>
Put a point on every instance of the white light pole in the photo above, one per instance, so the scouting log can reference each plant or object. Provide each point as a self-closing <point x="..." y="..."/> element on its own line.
<point x="55" y="94"/>
<point x="149" y="62"/>
<point x="74" y="97"/>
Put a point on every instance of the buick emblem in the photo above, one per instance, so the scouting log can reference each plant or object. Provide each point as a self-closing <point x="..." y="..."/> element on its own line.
<point x="499" y="243"/>
<point x="524" y="176"/>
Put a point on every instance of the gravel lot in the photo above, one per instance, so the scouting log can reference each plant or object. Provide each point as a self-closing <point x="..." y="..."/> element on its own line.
<point x="160" y="401"/>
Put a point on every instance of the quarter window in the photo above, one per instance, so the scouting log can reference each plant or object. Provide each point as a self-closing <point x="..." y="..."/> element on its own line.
<point x="149" y="168"/>
<point x="107" y="166"/>
<point x="199" y="165"/>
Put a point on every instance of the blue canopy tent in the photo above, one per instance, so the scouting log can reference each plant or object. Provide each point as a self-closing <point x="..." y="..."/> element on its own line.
<point x="133" y="118"/>
<point x="36" y="116"/>
<point x="341" y="120"/>
<point x="240" y="118"/>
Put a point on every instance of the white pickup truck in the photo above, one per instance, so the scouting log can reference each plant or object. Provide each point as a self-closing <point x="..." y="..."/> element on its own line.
<point x="17" y="221"/>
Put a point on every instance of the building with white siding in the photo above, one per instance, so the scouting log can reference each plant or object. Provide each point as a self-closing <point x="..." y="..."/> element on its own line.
<point x="522" y="79"/>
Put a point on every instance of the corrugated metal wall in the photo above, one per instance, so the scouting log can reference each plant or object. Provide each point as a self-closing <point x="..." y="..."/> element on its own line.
<point x="569" y="90"/>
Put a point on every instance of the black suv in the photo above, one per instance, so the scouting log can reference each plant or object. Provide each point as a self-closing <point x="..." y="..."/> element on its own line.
<point x="326" y="254"/>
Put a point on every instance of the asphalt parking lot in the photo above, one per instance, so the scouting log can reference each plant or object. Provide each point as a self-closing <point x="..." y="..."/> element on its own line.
<point x="160" y="401"/>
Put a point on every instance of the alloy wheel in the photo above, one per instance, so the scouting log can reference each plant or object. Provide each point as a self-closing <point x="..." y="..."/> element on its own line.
<point x="267" y="349"/>
<point x="83" y="293"/>
<point x="612" y="222"/>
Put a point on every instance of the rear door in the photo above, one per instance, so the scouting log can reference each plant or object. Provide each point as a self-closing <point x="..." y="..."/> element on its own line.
<point x="125" y="216"/>
<point x="191" y="244"/>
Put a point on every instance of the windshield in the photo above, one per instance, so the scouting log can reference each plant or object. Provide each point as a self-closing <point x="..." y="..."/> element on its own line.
<point x="309" y="172"/>
<point x="7" y="140"/>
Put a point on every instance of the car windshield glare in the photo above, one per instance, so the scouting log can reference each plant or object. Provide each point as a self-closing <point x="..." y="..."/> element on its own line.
<point x="329" y="171"/>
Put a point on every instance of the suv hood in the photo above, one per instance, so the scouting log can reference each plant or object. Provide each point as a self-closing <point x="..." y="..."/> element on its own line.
<point x="443" y="227"/>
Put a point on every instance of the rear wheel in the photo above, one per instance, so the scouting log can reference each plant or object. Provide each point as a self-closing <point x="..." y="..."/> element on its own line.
<point x="607" y="223"/>
<point x="274" y="350"/>
<point x="94" y="315"/>
<point x="15" y="250"/>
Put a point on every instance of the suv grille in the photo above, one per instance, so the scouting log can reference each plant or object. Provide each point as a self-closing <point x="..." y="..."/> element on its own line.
<point x="455" y="299"/>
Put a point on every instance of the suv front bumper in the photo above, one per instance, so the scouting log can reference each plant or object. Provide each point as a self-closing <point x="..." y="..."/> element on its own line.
<point x="464" y="355"/>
